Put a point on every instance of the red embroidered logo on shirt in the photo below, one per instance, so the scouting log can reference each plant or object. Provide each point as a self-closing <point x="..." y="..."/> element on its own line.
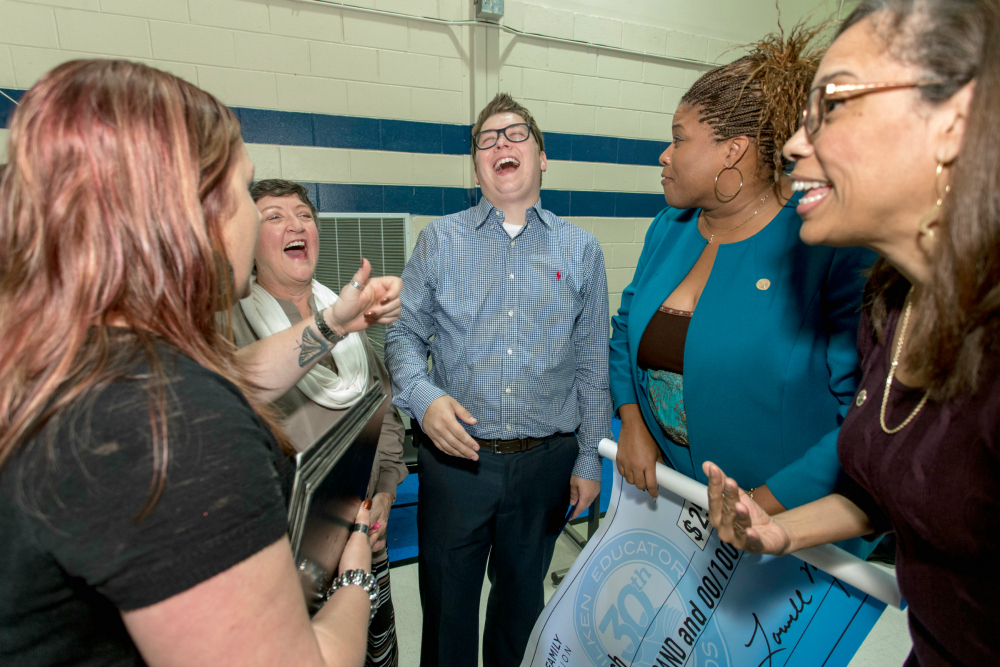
<point x="558" y="275"/>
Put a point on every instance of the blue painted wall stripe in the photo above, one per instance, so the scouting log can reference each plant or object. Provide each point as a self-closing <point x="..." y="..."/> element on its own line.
<point x="434" y="201"/>
<point x="292" y="128"/>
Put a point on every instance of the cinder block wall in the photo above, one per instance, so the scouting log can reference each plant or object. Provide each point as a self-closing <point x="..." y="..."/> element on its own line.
<point x="312" y="66"/>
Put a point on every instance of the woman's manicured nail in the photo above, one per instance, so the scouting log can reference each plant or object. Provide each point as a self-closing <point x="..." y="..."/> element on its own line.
<point x="385" y="301"/>
<point x="368" y="504"/>
<point x="370" y="313"/>
<point x="377" y="526"/>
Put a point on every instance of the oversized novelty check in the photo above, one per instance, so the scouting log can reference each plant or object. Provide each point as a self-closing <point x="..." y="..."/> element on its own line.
<point x="655" y="587"/>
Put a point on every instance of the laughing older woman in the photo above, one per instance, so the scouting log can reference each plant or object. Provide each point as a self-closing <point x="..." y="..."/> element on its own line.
<point x="284" y="293"/>
<point x="899" y="151"/>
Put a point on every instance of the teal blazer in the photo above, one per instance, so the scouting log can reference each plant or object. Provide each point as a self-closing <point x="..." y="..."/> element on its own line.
<point x="769" y="373"/>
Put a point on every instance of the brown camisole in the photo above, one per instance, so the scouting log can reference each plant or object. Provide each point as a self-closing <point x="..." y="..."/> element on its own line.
<point x="662" y="343"/>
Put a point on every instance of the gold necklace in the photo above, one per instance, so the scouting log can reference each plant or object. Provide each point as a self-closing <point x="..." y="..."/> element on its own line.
<point x="730" y="231"/>
<point x="892" y="373"/>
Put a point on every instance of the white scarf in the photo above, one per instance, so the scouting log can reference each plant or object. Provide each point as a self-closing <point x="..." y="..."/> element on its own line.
<point x="320" y="384"/>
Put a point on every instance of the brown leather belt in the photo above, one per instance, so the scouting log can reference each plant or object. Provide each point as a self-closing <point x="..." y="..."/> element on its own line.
<point x="498" y="446"/>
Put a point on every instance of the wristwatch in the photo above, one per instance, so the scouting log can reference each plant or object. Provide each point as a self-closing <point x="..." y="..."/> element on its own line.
<point x="357" y="578"/>
<point x="325" y="329"/>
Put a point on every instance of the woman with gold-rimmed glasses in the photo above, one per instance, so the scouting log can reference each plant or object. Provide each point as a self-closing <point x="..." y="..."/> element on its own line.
<point x="912" y="173"/>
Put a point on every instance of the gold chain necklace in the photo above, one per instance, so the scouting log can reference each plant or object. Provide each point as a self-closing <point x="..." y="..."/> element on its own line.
<point x="712" y="235"/>
<point x="892" y="373"/>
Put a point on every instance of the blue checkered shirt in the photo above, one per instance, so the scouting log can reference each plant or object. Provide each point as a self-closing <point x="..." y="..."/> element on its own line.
<point x="517" y="329"/>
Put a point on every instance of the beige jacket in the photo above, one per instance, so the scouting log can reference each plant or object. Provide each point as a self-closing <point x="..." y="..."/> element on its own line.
<point x="305" y="421"/>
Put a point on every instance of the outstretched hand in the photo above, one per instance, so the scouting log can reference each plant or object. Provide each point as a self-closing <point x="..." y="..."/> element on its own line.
<point x="356" y="310"/>
<point x="739" y="520"/>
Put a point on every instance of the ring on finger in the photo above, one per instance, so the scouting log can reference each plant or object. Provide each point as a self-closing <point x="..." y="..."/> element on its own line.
<point x="356" y="285"/>
<point x="359" y="528"/>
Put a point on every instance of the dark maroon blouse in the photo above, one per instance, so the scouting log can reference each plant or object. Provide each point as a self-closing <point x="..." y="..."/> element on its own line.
<point x="937" y="484"/>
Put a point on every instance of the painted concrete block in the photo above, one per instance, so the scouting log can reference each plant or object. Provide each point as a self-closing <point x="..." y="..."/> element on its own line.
<point x="624" y="68"/>
<point x="510" y="80"/>
<point x="240" y="88"/>
<point x="563" y="175"/>
<point x="596" y="91"/>
<point x="266" y="161"/>
<point x="106" y="34"/>
<point x="234" y="14"/>
<point x="88" y="5"/>
<point x="642" y="226"/>
<point x="655" y="126"/>
<point x="614" y="301"/>
<point x="443" y="170"/>
<point x="625" y="255"/>
<point x="315" y="165"/>
<point x="272" y="53"/>
<point x="380" y="32"/>
<point x="539" y="110"/>
<point x="30" y="63"/>
<point x="663" y="74"/>
<point x="192" y="44"/>
<point x="644" y="38"/>
<point x="439" y="106"/>
<point x="617" y="122"/>
<point x="525" y="52"/>
<point x="7" y="79"/>
<point x="408" y="69"/>
<point x="382" y="167"/>
<point x="4" y="135"/>
<point x="550" y="86"/>
<point x="615" y="177"/>
<point x="28" y="25"/>
<point x="619" y="279"/>
<point x="163" y="10"/>
<point x="613" y="230"/>
<point x="297" y="19"/>
<point x="547" y="21"/>
<point x="573" y="60"/>
<point x="340" y="61"/>
<point x="649" y="180"/>
<point x="311" y="93"/>
<point x="686" y="45"/>
<point x="378" y="101"/>
<point x="454" y="74"/>
<point x="672" y="98"/>
<point x="597" y="30"/>
<point x="571" y="118"/>
<point x="641" y="96"/>
<point x="427" y="8"/>
<point x="436" y="40"/>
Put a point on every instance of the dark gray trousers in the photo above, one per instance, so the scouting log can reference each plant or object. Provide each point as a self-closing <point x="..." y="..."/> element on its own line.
<point x="501" y="516"/>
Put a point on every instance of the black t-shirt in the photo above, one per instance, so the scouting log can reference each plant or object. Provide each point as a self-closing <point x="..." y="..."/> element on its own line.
<point x="937" y="483"/>
<point x="72" y="554"/>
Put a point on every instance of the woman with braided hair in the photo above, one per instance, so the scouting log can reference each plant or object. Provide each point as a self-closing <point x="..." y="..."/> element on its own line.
<point x="735" y="341"/>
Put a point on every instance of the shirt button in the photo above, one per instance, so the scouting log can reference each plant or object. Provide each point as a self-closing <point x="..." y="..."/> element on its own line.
<point x="511" y="313"/>
<point x="512" y="243"/>
<point x="510" y="351"/>
<point x="508" y="390"/>
<point x="529" y="225"/>
<point x="512" y="276"/>
<point x="499" y="213"/>
<point x="508" y="427"/>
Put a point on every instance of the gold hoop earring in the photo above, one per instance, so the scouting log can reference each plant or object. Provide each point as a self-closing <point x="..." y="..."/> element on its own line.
<point x="732" y="196"/>
<point x="932" y="215"/>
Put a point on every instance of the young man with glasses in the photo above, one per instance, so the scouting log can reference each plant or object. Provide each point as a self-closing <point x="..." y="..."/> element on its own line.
<point x="511" y="303"/>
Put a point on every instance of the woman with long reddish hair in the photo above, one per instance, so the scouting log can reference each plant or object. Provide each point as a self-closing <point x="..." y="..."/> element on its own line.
<point x="142" y="482"/>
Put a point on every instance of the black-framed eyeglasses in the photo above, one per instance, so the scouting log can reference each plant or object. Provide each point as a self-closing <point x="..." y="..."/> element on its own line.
<point x="516" y="133"/>
<point x="821" y="96"/>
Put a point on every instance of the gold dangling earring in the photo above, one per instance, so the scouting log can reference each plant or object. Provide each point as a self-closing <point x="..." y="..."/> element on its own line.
<point x="932" y="215"/>
<point x="732" y="196"/>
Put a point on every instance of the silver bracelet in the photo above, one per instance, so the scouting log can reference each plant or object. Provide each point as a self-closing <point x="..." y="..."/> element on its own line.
<point x="325" y="330"/>
<point x="357" y="578"/>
